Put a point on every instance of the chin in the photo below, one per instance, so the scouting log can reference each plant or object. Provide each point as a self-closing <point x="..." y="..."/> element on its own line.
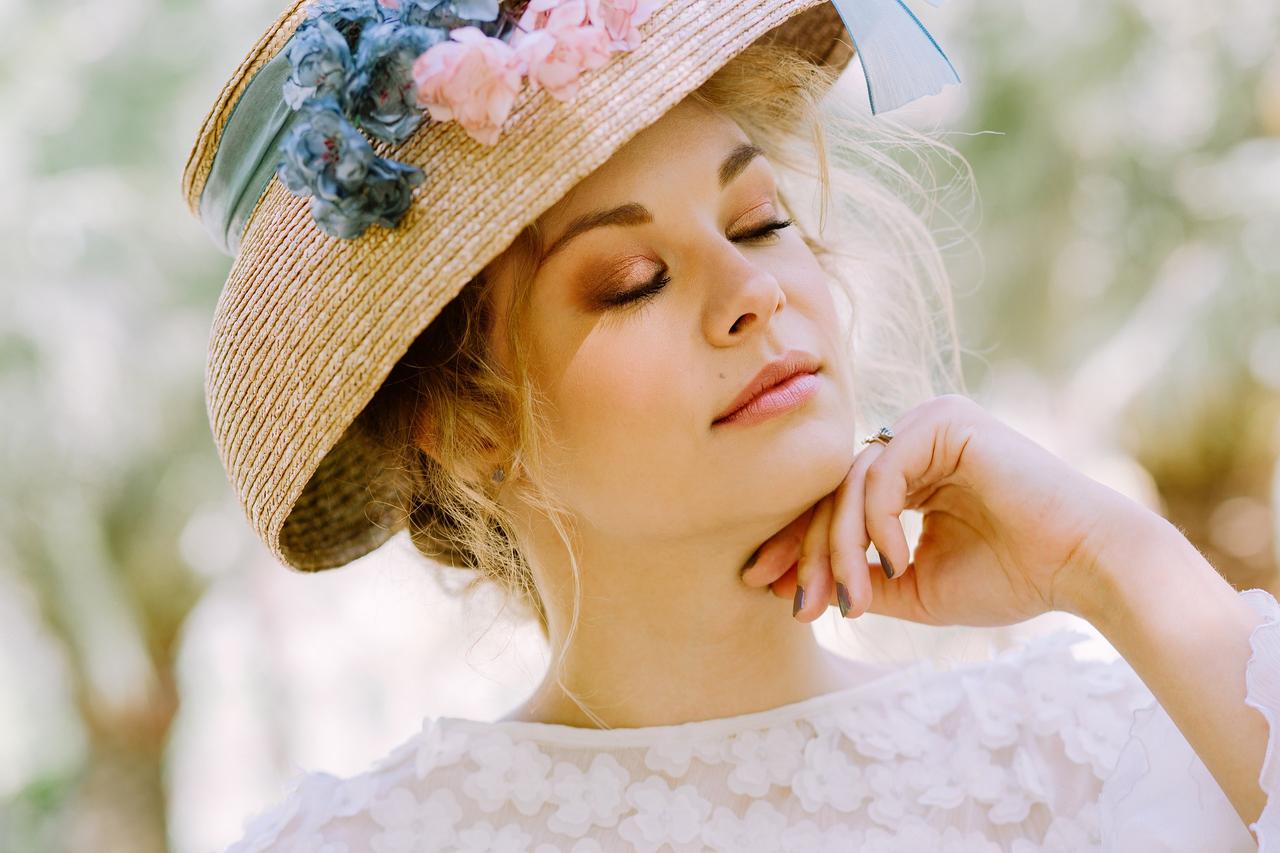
<point x="800" y="474"/>
<point x="826" y="467"/>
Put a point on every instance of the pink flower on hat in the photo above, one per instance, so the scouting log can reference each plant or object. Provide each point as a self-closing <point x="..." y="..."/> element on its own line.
<point x="557" y="43"/>
<point x="551" y="14"/>
<point x="620" y="19"/>
<point x="472" y="78"/>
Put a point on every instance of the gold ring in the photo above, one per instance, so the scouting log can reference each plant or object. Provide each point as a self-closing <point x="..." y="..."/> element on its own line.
<point x="884" y="436"/>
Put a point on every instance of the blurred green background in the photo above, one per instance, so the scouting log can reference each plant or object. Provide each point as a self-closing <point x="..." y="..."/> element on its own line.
<point x="160" y="677"/>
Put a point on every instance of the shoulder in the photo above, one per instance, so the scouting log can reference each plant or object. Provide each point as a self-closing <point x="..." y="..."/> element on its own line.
<point x="1064" y="706"/>
<point x="324" y="813"/>
<point x="285" y="824"/>
<point x="1084" y="704"/>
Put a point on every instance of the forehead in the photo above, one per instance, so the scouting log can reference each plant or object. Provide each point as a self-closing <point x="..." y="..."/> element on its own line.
<point x="690" y="139"/>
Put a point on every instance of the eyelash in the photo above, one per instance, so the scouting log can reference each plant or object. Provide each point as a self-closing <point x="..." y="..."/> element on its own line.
<point x="642" y="295"/>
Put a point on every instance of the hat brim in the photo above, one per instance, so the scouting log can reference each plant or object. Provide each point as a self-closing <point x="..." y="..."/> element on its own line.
<point x="308" y="326"/>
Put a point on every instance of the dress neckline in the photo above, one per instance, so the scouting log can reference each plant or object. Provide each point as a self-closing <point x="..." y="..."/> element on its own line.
<point x="565" y="735"/>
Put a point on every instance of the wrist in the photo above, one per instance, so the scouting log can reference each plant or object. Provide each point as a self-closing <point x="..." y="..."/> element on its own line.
<point x="1124" y="560"/>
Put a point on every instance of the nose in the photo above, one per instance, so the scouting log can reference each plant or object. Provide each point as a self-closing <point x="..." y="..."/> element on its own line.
<point x="745" y="293"/>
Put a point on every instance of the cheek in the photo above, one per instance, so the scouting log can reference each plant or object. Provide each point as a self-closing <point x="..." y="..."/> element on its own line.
<point x="625" y="413"/>
<point x="627" y="387"/>
<point x="813" y="296"/>
<point x="811" y="287"/>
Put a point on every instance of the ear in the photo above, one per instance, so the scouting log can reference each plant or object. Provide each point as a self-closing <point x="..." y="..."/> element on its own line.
<point x="425" y="434"/>
<point x="426" y="437"/>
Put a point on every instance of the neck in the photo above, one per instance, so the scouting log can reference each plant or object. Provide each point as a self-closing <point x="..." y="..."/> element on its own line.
<point x="659" y="643"/>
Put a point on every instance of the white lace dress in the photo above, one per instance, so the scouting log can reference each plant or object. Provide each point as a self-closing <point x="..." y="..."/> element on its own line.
<point x="1035" y="750"/>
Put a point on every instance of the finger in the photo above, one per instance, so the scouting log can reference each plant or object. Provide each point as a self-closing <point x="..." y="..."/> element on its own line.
<point x="916" y="459"/>
<point x="884" y="505"/>
<point x="848" y="537"/>
<point x="900" y="597"/>
<point x="813" y="577"/>
<point x="785" y="586"/>
<point x="778" y="552"/>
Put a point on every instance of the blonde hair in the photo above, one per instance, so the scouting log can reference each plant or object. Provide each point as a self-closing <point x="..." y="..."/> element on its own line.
<point x="879" y="247"/>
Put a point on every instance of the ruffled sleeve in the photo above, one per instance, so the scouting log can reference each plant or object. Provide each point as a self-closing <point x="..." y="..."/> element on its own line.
<point x="305" y="795"/>
<point x="1262" y="691"/>
<point x="1161" y="798"/>
<point x="313" y="816"/>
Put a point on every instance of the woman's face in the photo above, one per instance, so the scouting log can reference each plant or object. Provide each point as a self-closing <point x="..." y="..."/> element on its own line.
<point x="661" y="292"/>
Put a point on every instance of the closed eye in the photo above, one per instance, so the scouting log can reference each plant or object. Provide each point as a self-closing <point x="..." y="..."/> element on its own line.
<point x="764" y="230"/>
<point x="660" y="279"/>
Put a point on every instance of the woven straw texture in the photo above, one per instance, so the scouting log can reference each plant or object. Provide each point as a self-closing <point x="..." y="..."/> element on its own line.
<point x="308" y="325"/>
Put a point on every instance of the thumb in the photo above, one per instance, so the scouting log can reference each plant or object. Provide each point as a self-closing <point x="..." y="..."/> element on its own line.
<point x="899" y="597"/>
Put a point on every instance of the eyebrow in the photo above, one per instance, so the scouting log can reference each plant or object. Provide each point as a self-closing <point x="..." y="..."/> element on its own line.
<point x="634" y="213"/>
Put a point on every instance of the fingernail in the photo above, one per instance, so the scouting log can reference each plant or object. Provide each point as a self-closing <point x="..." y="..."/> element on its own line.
<point x="885" y="564"/>
<point x="799" y="600"/>
<point x="842" y="597"/>
<point x="751" y="561"/>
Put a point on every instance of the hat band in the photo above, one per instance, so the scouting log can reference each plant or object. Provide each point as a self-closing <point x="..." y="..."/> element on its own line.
<point x="900" y="61"/>
<point x="247" y="155"/>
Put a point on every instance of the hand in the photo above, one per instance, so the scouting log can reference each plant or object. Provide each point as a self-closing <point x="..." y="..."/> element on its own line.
<point x="1009" y="529"/>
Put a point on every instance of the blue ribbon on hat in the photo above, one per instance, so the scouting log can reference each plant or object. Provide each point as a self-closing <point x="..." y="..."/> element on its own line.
<point x="248" y="154"/>
<point x="900" y="60"/>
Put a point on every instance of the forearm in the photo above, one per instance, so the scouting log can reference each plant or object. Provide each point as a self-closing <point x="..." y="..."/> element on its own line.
<point x="1185" y="631"/>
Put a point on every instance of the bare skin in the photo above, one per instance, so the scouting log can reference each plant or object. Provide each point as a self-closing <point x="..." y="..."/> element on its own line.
<point x="669" y="508"/>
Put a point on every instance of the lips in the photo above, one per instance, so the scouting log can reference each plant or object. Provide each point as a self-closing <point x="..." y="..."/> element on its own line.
<point x="775" y="372"/>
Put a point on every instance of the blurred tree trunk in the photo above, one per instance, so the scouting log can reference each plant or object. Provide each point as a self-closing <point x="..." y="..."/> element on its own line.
<point x="119" y="634"/>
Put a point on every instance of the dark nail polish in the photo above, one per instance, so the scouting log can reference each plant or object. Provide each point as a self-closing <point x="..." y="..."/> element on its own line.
<point x="842" y="598"/>
<point x="751" y="561"/>
<point x="885" y="564"/>
<point x="799" y="600"/>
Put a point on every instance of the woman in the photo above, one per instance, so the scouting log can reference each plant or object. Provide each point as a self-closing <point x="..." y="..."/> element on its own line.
<point x="586" y="342"/>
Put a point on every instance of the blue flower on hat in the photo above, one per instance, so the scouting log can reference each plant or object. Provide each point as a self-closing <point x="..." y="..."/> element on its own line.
<point x="380" y="93"/>
<point x="448" y="14"/>
<point x="323" y="154"/>
<point x="343" y="219"/>
<point x="382" y="199"/>
<point x="325" y="157"/>
<point x="387" y="190"/>
<point x="350" y="17"/>
<point x="321" y="62"/>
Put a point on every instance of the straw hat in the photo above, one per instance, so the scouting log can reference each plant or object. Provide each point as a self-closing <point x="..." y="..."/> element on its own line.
<point x="308" y="325"/>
